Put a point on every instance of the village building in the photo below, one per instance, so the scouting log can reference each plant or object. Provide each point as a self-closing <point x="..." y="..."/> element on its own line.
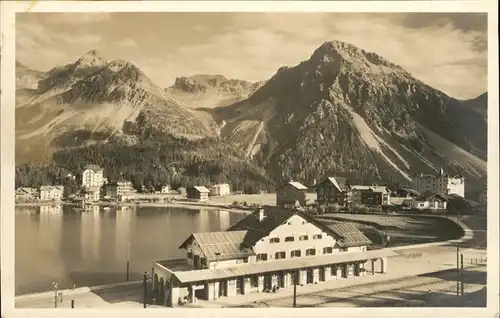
<point x="437" y="201"/>
<point x="371" y="195"/>
<point x="219" y="190"/>
<point x="271" y="248"/>
<point x="92" y="176"/>
<point x="165" y="189"/>
<point x="91" y="194"/>
<point x="401" y="195"/>
<point x="407" y="193"/>
<point x="197" y="193"/>
<point x="419" y="204"/>
<point x="26" y="194"/>
<point x="440" y="183"/>
<point x="333" y="191"/>
<point x="291" y="194"/>
<point x="119" y="189"/>
<point x="51" y="193"/>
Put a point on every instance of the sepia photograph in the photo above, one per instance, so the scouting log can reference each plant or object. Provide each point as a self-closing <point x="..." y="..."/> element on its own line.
<point x="251" y="159"/>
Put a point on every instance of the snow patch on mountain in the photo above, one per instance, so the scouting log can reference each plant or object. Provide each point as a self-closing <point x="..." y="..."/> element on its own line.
<point x="374" y="142"/>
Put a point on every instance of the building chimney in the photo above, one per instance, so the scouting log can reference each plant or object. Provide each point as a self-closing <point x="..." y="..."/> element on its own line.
<point x="261" y="214"/>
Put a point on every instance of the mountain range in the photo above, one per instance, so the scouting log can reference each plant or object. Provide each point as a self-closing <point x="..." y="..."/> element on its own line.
<point x="342" y="112"/>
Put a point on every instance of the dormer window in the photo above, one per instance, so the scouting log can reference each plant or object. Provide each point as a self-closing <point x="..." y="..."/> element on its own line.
<point x="317" y="237"/>
<point x="303" y="238"/>
<point x="289" y="239"/>
<point x="274" y="240"/>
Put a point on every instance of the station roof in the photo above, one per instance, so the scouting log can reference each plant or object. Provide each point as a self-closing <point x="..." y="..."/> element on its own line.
<point x="272" y="266"/>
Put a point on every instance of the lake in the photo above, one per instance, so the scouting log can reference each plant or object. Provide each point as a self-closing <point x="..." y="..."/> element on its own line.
<point x="85" y="248"/>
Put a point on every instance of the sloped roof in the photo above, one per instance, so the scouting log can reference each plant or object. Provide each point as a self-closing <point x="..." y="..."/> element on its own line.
<point x="49" y="188"/>
<point x="221" y="185"/>
<point x="410" y="190"/>
<point x="360" y="187"/>
<point x="27" y="190"/>
<point x="201" y="189"/>
<point x="279" y="265"/>
<point x="349" y="235"/>
<point x="339" y="182"/>
<point x="256" y="229"/>
<point x="442" y="196"/>
<point x="93" y="167"/>
<point x="220" y="245"/>
<point x="382" y="189"/>
<point x="274" y="217"/>
<point x="295" y="184"/>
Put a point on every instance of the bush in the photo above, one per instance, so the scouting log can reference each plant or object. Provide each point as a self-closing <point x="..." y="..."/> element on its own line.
<point x="359" y="208"/>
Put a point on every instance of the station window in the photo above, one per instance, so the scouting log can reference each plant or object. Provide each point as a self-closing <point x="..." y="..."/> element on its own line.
<point x="295" y="253"/>
<point x="289" y="239"/>
<point x="303" y="238"/>
<point x="317" y="237"/>
<point x="261" y="257"/>
<point x="279" y="255"/>
<point x="310" y="252"/>
<point x="327" y="250"/>
<point x="274" y="240"/>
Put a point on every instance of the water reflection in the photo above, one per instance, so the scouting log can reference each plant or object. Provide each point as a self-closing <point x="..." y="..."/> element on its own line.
<point x="224" y="220"/>
<point x="50" y="227"/>
<point x="125" y="216"/>
<point x="90" y="246"/>
<point x="90" y="233"/>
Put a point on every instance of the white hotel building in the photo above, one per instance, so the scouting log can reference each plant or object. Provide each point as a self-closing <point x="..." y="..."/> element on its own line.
<point x="92" y="177"/>
<point x="262" y="252"/>
<point x="441" y="183"/>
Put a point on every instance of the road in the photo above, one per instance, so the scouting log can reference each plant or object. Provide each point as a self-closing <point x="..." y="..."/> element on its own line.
<point x="407" y="292"/>
<point x="99" y="298"/>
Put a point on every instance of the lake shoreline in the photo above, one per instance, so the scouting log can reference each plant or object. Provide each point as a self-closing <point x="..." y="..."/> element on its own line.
<point x="178" y="204"/>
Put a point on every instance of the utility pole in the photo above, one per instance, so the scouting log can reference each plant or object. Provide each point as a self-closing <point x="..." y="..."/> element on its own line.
<point x="128" y="261"/>
<point x="54" y="285"/>
<point x="295" y="288"/>
<point x="462" y="274"/>
<point x="145" y="288"/>
<point x="153" y="281"/>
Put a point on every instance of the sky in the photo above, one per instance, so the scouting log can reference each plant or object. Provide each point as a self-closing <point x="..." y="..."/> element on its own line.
<point x="447" y="51"/>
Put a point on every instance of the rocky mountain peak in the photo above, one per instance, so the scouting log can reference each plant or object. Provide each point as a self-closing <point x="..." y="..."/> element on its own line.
<point x="348" y="57"/>
<point x="90" y="59"/>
